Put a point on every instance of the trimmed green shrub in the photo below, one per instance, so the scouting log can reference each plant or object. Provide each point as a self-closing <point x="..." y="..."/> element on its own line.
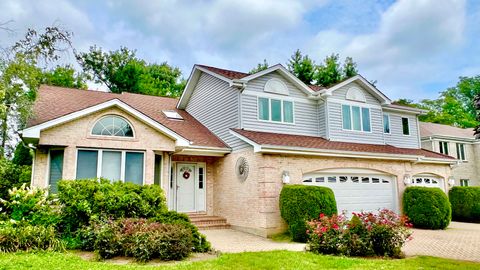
<point x="300" y="203"/>
<point x="465" y="203"/>
<point x="427" y="208"/>
<point x="86" y="199"/>
<point x="27" y="237"/>
<point x="140" y="238"/>
<point x="12" y="175"/>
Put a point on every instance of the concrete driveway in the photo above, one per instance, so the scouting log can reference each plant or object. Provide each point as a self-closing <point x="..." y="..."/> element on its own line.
<point x="459" y="241"/>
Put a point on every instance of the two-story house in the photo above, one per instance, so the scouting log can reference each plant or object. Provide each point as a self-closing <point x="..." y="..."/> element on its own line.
<point x="459" y="143"/>
<point x="233" y="139"/>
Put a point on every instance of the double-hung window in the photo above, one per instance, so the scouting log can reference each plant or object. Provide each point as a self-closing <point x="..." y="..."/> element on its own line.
<point x="464" y="182"/>
<point x="356" y="118"/>
<point x="443" y="146"/>
<point x="461" y="151"/>
<point x="115" y="165"/>
<point x="405" y="126"/>
<point x="275" y="110"/>
<point x="386" y="123"/>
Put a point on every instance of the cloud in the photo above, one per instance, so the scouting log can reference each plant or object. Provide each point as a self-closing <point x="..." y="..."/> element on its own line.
<point x="407" y="49"/>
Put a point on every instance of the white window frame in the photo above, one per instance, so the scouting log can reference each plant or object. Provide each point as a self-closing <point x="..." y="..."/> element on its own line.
<point x="408" y="125"/>
<point x="441" y="147"/>
<point x="462" y="181"/>
<point x="459" y="157"/>
<point x="282" y="100"/>
<point x="112" y="136"/>
<point x="122" y="160"/>
<point x="361" y="118"/>
<point x="389" y="121"/>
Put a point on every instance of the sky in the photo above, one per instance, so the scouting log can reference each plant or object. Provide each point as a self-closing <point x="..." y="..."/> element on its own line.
<point x="412" y="48"/>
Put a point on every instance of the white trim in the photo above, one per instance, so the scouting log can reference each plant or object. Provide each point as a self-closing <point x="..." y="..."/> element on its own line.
<point x="379" y="95"/>
<point x="257" y="148"/>
<point x="112" y="136"/>
<point x="361" y="119"/>
<point x="353" y="103"/>
<point x="213" y="152"/>
<point x="403" y="110"/>
<point x="196" y="187"/>
<point x="267" y="87"/>
<point x="270" y="95"/>
<point x="281" y="111"/>
<point x="34" y="131"/>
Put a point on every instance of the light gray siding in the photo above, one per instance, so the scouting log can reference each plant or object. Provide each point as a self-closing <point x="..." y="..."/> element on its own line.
<point x="306" y="117"/>
<point x="342" y="92"/>
<point x="216" y="105"/>
<point x="396" y="137"/>
<point x="322" y="123"/>
<point x="337" y="133"/>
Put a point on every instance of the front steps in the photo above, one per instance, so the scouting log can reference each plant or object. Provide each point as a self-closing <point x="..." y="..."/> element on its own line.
<point x="205" y="222"/>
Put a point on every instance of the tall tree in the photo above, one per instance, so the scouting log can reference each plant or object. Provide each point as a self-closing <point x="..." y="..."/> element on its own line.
<point x="302" y="67"/>
<point x="349" y="68"/>
<point x="122" y="71"/>
<point x="329" y="72"/>
<point x="259" y="67"/>
<point x="20" y="76"/>
<point x="65" y="76"/>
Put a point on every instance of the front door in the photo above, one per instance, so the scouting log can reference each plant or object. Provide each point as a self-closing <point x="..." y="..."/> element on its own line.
<point x="186" y="187"/>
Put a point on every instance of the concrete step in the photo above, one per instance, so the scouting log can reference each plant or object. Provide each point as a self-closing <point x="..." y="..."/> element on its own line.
<point x="205" y="222"/>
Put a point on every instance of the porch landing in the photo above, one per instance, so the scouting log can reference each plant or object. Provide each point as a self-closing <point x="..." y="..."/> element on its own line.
<point x="206" y="222"/>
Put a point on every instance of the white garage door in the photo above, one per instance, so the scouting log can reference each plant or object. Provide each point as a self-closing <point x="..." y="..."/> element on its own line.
<point x="357" y="190"/>
<point x="427" y="181"/>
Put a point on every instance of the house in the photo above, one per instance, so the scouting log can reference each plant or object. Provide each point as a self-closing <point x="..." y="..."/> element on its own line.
<point x="233" y="139"/>
<point x="459" y="143"/>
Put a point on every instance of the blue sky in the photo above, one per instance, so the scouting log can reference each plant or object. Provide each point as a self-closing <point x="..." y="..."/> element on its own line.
<point x="412" y="48"/>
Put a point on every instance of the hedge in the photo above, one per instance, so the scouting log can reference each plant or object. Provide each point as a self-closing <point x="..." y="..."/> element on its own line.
<point x="427" y="208"/>
<point x="300" y="203"/>
<point x="465" y="203"/>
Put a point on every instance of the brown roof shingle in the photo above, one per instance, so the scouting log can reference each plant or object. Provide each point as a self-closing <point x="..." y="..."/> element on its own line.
<point x="230" y="74"/>
<point x="53" y="102"/>
<point x="276" y="139"/>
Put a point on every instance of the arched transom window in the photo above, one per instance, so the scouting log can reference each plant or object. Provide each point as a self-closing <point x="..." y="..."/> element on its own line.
<point x="112" y="125"/>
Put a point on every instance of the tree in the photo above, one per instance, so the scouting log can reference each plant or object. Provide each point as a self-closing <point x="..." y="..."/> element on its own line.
<point x="122" y="71"/>
<point x="20" y="76"/>
<point x="302" y="67"/>
<point x="349" y="68"/>
<point x="64" y="76"/>
<point x="330" y="72"/>
<point x="259" y="67"/>
<point x="22" y="155"/>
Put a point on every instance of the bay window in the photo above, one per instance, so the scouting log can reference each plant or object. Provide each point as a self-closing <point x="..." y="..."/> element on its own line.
<point x="275" y="110"/>
<point x="115" y="165"/>
<point x="356" y="118"/>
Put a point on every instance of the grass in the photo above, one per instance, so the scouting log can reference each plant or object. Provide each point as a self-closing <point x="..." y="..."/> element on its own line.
<point x="247" y="260"/>
<point x="281" y="237"/>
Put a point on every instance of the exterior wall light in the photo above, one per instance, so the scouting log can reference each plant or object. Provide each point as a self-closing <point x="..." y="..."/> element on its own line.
<point x="451" y="181"/>
<point x="286" y="177"/>
<point x="407" y="179"/>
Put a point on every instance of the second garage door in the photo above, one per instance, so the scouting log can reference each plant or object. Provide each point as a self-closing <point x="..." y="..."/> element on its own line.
<point x="357" y="189"/>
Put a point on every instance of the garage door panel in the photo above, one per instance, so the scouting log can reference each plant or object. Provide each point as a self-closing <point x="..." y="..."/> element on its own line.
<point x="355" y="193"/>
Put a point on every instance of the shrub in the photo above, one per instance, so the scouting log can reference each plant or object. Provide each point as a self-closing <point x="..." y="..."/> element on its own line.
<point x="27" y="237"/>
<point x="465" y="203"/>
<point x="140" y="238"/>
<point x="299" y="203"/>
<point x="86" y="199"/>
<point x="427" y="208"/>
<point x="366" y="234"/>
<point x="30" y="205"/>
<point x="12" y="175"/>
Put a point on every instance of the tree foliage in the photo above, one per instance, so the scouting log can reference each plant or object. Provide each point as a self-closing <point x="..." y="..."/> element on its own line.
<point x="22" y="155"/>
<point x="331" y="70"/>
<point x="302" y="67"/>
<point x="122" y="71"/>
<point x="259" y="67"/>
<point x="64" y="76"/>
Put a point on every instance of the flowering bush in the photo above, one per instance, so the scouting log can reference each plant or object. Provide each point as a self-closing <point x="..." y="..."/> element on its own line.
<point x="365" y="234"/>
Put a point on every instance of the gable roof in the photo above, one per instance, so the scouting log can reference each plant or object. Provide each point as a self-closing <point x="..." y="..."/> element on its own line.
<point x="433" y="129"/>
<point x="230" y="74"/>
<point x="309" y="144"/>
<point x="56" y="102"/>
<point x="364" y="83"/>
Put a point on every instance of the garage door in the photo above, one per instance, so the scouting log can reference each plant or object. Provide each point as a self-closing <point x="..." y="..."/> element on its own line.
<point x="357" y="190"/>
<point x="427" y="181"/>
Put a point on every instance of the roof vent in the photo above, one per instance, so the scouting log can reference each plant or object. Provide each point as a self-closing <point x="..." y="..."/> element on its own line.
<point x="173" y="115"/>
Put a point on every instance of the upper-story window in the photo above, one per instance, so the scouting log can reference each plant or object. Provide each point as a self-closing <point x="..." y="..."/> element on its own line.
<point x="275" y="110"/>
<point x="356" y="118"/>
<point x="112" y="125"/>
<point x="443" y="146"/>
<point x="386" y="123"/>
<point x="461" y="151"/>
<point x="405" y="126"/>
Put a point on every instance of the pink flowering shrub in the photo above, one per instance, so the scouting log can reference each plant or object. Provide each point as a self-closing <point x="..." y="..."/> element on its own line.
<point x="365" y="234"/>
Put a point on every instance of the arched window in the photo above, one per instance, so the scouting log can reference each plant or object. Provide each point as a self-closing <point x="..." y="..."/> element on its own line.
<point x="112" y="125"/>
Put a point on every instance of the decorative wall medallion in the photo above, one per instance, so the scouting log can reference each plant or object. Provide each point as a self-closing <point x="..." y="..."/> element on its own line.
<point x="186" y="172"/>
<point x="241" y="169"/>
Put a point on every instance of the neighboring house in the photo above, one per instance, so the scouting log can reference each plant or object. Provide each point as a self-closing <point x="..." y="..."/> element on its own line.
<point x="234" y="139"/>
<point x="459" y="143"/>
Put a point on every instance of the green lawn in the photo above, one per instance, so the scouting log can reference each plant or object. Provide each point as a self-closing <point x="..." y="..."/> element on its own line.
<point x="248" y="260"/>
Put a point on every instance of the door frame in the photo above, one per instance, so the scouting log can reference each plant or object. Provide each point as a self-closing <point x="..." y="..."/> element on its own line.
<point x="173" y="189"/>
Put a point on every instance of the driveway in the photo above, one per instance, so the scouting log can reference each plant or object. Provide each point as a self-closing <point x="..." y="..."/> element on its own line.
<point x="228" y="240"/>
<point x="459" y="241"/>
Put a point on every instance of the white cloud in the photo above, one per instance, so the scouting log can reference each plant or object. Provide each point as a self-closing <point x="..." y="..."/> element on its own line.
<point x="407" y="49"/>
